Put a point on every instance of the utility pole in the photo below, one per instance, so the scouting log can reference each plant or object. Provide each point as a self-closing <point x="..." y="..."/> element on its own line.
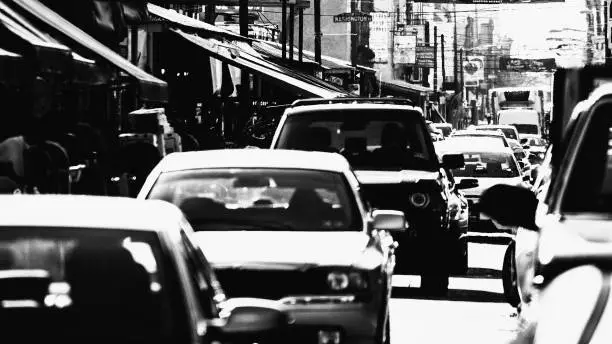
<point x="443" y="62"/>
<point x="284" y="29"/>
<point x="300" y="33"/>
<point x="209" y="14"/>
<point x="461" y="64"/>
<point x="606" y="33"/>
<point x="291" y="29"/>
<point x="317" y="27"/>
<point x="435" y="68"/>
<point x="455" y="56"/>
<point x="426" y="70"/>
<point x="243" y="14"/>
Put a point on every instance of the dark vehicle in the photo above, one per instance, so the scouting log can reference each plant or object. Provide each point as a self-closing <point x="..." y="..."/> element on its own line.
<point x="74" y="274"/>
<point x="389" y="147"/>
<point x="572" y="219"/>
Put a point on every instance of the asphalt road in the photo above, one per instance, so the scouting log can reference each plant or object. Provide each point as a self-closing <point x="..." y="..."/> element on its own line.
<point x="473" y="312"/>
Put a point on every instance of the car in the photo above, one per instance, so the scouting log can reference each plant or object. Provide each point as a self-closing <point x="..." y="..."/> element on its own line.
<point x="487" y="167"/>
<point x="289" y="226"/>
<point x="119" y="269"/>
<point x="479" y="137"/>
<point x="509" y="131"/>
<point x="389" y="148"/>
<point x="537" y="149"/>
<point x="570" y="217"/>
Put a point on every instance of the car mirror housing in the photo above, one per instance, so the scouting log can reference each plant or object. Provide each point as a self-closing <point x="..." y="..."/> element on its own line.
<point x="467" y="183"/>
<point x="250" y="316"/>
<point x="389" y="220"/>
<point x="510" y="206"/>
<point x="453" y="161"/>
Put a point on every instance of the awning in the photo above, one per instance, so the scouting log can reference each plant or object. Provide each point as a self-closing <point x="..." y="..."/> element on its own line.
<point x="150" y="87"/>
<point x="189" y="24"/>
<point x="235" y="56"/>
<point x="12" y="67"/>
<point x="403" y="86"/>
<point x="81" y="70"/>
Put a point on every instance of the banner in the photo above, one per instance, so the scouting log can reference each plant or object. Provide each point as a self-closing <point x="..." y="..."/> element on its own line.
<point x="526" y="65"/>
<point x="404" y="49"/>
<point x="473" y="70"/>
<point x="380" y="36"/>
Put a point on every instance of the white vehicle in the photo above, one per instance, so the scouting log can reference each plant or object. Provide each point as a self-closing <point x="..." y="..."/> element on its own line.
<point x="489" y="166"/>
<point x="119" y="269"/>
<point x="526" y="122"/>
<point x="290" y="226"/>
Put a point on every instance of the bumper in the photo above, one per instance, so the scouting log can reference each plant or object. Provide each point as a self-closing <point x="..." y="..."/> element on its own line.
<point x="357" y="322"/>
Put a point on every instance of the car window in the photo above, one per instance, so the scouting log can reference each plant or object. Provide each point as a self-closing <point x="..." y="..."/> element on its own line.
<point x="488" y="165"/>
<point x="201" y="283"/>
<point x="76" y="279"/>
<point x="589" y="187"/>
<point x="376" y="140"/>
<point x="261" y="199"/>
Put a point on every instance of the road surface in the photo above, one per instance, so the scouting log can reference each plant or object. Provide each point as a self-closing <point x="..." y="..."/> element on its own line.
<point x="473" y="312"/>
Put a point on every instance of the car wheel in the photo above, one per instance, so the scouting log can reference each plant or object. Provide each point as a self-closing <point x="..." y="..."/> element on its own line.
<point x="435" y="283"/>
<point x="509" y="280"/>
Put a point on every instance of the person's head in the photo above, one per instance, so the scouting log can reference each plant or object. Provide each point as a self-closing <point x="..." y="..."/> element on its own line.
<point x="393" y="136"/>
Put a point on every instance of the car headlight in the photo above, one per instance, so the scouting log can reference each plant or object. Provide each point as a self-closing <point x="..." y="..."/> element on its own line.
<point x="419" y="200"/>
<point x="338" y="281"/>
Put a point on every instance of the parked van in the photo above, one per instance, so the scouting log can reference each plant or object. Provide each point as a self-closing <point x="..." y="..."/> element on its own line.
<point x="526" y="121"/>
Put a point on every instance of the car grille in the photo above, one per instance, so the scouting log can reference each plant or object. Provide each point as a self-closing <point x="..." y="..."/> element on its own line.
<point x="273" y="285"/>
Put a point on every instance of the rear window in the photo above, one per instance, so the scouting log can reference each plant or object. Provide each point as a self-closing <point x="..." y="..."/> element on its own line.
<point x="369" y="139"/>
<point x="488" y="165"/>
<point x="116" y="284"/>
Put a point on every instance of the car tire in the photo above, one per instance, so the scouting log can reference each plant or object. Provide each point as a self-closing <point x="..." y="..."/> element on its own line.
<point x="509" y="278"/>
<point x="435" y="283"/>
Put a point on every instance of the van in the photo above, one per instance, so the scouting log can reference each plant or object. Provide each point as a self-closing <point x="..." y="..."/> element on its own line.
<point x="526" y="121"/>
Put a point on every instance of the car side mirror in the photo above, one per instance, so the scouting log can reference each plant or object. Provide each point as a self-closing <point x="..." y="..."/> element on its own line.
<point x="467" y="183"/>
<point x="524" y="141"/>
<point x="527" y="177"/>
<point x="389" y="220"/>
<point x="453" y="161"/>
<point x="251" y="317"/>
<point x="510" y="206"/>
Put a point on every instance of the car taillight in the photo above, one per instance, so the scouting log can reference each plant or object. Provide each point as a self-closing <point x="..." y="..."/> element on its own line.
<point x="419" y="200"/>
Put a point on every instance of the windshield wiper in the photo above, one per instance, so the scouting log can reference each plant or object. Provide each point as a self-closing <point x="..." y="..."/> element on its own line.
<point x="250" y="223"/>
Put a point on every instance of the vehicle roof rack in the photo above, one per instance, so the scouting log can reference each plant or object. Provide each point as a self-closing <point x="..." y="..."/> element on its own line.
<point x="350" y="100"/>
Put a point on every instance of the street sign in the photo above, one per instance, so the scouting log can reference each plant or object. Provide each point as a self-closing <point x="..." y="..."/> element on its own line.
<point x="352" y="17"/>
<point x="425" y="56"/>
<point x="526" y="65"/>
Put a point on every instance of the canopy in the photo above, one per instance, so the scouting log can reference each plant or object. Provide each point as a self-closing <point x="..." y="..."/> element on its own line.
<point x="189" y="24"/>
<point x="151" y="88"/>
<point x="239" y="57"/>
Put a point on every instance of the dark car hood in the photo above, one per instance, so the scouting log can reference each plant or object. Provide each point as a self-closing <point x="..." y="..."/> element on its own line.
<point x="282" y="250"/>
<point x="394" y="177"/>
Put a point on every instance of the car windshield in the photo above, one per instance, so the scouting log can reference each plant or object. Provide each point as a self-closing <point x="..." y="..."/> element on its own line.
<point x="261" y="199"/>
<point x="526" y="128"/>
<point x="74" y="281"/>
<point x="537" y="142"/>
<point x="508" y="132"/>
<point x="370" y="140"/>
<point x="488" y="165"/>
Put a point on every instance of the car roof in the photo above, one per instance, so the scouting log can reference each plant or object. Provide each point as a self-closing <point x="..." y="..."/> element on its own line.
<point x="255" y="158"/>
<point x="478" y="133"/>
<point x="448" y="147"/>
<point x="308" y="109"/>
<point x="88" y="212"/>
<point x="486" y="126"/>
